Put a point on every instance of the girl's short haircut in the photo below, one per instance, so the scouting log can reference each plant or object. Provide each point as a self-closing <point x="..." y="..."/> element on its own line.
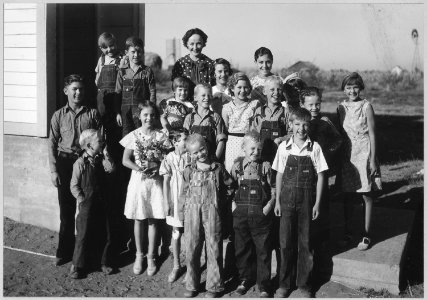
<point x="251" y="136"/>
<point x="146" y="104"/>
<point x="202" y="86"/>
<point x="273" y="79"/>
<point x="263" y="51"/>
<point x="224" y="62"/>
<point x="73" y="78"/>
<point x="105" y="39"/>
<point x="353" y="79"/>
<point x="310" y="91"/>
<point x="195" y="138"/>
<point x="175" y="135"/>
<point x="181" y="82"/>
<point x="235" y="78"/>
<point x="300" y="113"/>
<point x="135" y="42"/>
<point x="86" y="137"/>
<point x="192" y="31"/>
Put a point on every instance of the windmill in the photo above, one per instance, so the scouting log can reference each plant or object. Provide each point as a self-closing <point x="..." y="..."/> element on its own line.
<point x="416" y="60"/>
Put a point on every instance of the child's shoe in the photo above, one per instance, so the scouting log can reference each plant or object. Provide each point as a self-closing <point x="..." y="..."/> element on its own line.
<point x="242" y="288"/>
<point x="151" y="265"/>
<point x="107" y="270"/>
<point x="210" y="294"/>
<point x="264" y="294"/>
<point x="283" y="293"/>
<point x="137" y="266"/>
<point x="364" y="244"/>
<point x="174" y="274"/>
<point x="190" y="294"/>
<point x="76" y="273"/>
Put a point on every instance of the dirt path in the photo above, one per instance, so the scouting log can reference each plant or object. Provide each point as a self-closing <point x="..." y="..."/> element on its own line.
<point x="27" y="274"/>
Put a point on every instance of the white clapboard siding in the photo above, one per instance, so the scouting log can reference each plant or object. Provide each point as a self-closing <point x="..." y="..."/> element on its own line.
<point x="19" y="5"/>
<point x="20" y="115"/>
<point x="20" y="28"/>
<point x="20" y="15"/>
<point x="21" y="66"/>
<point x="24" y="40"/>
<point x="20" y="78"/>
<point x="14" y="103"/>
<point x="20" y="53"/>
<point x="20" y="91"/>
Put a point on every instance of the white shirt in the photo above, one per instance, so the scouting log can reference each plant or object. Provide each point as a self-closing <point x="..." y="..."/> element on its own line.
<point x="316" y="155"/>
<point x="216" y="90"/>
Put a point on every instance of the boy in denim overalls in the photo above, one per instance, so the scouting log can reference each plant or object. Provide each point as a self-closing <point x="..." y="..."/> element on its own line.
<point x="135" y="83"/>
<point x="199" y="203"/>
<point x="297" y="162"/>
<point x="271" y="121"/>
<point x="252" y="218"/>
<point x="106" y="77"/>
<point x="88" y="185"/>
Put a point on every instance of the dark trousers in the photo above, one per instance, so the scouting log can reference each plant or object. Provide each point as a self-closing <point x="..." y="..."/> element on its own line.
<point x="294" y="238"/>
<point x="82" y="238"/>
<point x="252" y="242"/>
<point x="67" y="208"/>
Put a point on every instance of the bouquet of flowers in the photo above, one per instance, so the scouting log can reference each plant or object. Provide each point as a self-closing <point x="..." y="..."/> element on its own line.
<point x="151" y="150"/>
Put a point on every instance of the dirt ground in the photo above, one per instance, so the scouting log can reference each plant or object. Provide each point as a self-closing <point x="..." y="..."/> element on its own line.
<point x="27" y="274"/>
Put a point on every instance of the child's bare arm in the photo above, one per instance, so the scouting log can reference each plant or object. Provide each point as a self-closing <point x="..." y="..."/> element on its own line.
<point x="319" y="192"/>
<point x="277" y="208"/>
<point x="372" y="138"/>
<point x="152" y="86"/>
<point x="220" y="149"/>
<point x="166" y="193"/>
<point x="165" y="123"/>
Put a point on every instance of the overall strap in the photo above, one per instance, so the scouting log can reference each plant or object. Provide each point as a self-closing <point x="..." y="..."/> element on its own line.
<point x="310" y="146"/>
<point x="191" y="119"/>
<point x="260" y="171"/>
<point x="102" y="60"/>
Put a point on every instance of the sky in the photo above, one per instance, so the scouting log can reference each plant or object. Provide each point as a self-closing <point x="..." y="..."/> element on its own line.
<point x="332" y="36"/>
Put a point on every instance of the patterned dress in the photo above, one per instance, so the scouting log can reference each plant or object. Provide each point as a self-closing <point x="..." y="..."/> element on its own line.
<point x="175" y="112"/>
<point x="144" y="198"/>
<point x="201" y="71"/>
<point x="356" y="146"/>
<point x="173" y="166"/>
<point x="239" y="119"/>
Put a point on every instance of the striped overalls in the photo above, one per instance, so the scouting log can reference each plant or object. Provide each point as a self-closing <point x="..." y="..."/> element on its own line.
<point x="252" y="230"/>
<point x="202" y="222"/>
<point x="296" y="201"/>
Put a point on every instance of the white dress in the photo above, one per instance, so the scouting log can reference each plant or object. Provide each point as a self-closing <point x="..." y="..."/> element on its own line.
<point x="144" y="198"/>
<point x="173" y="165"/>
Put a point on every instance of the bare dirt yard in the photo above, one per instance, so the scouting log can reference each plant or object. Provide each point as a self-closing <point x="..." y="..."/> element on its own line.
<point x="400" y="123"/>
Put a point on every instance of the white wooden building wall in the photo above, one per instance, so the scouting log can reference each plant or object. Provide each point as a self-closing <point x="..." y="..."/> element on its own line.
<point x="24" y="68"/>
<point x="20" y="64"/>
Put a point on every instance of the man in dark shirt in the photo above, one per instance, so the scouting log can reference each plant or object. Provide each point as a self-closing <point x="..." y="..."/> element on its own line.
<point x="65" y="128"/>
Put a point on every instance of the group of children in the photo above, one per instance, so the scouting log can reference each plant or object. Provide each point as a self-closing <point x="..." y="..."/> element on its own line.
<point x="257" y="149"/>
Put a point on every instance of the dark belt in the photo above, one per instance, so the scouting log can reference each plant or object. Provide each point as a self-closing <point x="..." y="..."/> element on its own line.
<point x="66" y="155"/>
<point x="236" y="134"/>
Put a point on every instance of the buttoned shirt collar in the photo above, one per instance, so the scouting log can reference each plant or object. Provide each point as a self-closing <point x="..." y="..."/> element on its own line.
<point x="304" y="146"/>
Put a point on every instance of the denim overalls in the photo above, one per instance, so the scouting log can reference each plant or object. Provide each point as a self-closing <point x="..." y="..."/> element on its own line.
<point x="202" y="222"/>
<point x="105" y="102"/>
<point x="106" y="88"/>
<point x="134" y="91"/>
<point x="296" y="201"/>
<point x="207" y="131"/>
<point x="252" y="230"/>
<point x="270" y="130"/>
